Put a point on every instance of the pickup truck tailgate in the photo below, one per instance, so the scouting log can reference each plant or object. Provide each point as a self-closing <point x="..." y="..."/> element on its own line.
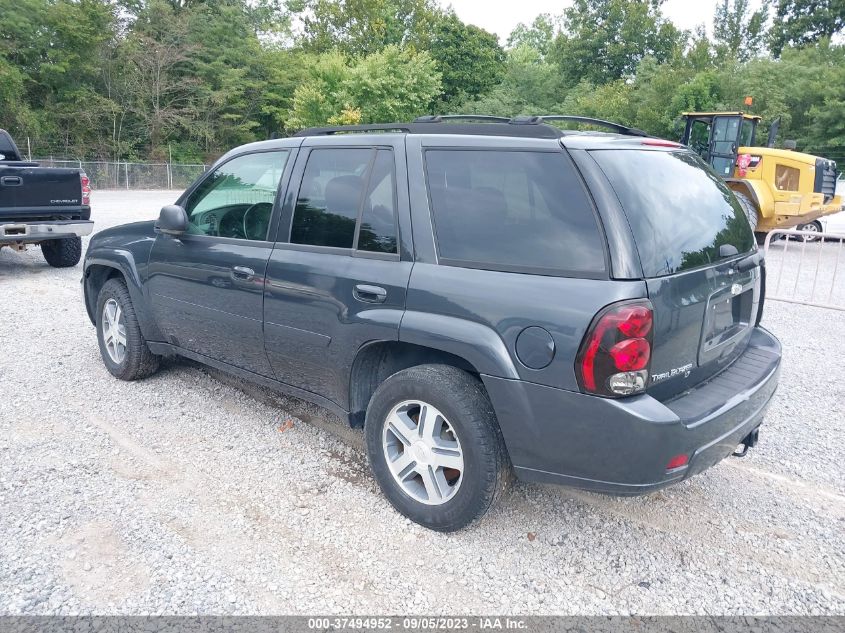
<point x="31" y="192"/>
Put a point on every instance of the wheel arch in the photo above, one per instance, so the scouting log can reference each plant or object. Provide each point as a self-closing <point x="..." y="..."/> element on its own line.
<point x="376" y="361"/>
<point x="757" y="192"/>
<point x="426" y="338"/>
<point x="118" y="264"/>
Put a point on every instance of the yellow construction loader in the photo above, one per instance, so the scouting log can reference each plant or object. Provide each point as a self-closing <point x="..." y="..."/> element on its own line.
<point x="778" y="188"/>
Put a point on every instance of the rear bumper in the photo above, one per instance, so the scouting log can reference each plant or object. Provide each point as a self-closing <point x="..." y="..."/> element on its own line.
<point x="32" y="232"/>
<point x="623" y="446"/>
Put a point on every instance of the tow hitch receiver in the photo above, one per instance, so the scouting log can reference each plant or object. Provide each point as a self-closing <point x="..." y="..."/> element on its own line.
<point x="749" y="441"/>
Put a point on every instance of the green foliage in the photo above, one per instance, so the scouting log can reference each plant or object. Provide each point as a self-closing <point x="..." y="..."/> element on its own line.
<point x="470" y="59"/>
<point x="605" y="40"/>
<point x="530" y="85"/>
<point x="394" y="84"/>
<point x="539" y="36"/>
<point x="803" y="22"/>
<point x="362" y="27"/>
<point x="140" y="79"/>
<point x="739" y="32"/>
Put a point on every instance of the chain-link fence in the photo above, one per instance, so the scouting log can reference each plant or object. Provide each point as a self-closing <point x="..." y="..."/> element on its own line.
<point x="125" y="175"/>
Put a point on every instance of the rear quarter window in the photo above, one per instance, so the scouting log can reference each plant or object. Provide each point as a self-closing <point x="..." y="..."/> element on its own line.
<point x="521" y="211"/>
<point x="679" y="210"/>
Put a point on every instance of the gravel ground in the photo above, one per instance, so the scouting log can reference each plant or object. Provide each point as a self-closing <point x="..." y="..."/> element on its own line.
<point x="190" y="492"/>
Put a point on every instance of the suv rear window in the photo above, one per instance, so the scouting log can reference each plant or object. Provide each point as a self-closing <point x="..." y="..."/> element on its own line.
<point x="521" y="211"/>
<point x="679" y="210"/>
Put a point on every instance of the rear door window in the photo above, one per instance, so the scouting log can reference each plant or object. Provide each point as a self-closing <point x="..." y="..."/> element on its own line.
<point x="347" y="200"/>
<point x="329" y="198"/>
<point x="522" y="211"/>
<point x="377" y="232"/>
<point x="680" y="212"/>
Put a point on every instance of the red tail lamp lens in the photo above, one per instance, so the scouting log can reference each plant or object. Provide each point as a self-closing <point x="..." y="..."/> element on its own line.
<point x="86" y="188"/>
<point x="677" y="461"/>
<point x="619" y="341"/>
<point x="631" y="354"/>
<point x="635" y="321"/>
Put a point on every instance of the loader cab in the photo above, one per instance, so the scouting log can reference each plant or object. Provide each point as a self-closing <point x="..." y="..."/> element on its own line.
<point x="717" y="137"/>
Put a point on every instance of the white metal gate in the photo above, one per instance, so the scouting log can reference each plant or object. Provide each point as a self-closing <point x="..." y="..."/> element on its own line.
<point x="805" y="267"/>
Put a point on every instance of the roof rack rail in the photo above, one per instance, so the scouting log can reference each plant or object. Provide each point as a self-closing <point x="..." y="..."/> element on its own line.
<point x="364" y="127"/>
<point x="496" y="126"/>
<point x="616" y="127"/>
<point x="439" y="118"/>
<point x="480" y="124"/>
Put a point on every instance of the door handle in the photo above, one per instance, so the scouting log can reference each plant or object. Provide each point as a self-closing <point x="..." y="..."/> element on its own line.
<point x="370" y="294"/>
<point x="242" y="272"/>
<point x="11" y="181"/>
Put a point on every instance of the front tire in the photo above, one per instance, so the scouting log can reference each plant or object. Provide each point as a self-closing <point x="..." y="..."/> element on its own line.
<point x="63" y="253"/>
<point x="122" y="345"/>
<point x="435" y="446"/>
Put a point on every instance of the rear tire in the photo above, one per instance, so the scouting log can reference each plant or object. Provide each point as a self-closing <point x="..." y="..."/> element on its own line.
<point x="455" y="404"/>
<point x="122" y="345"/>
<point x="751" y="211"/>
<point x="63" y="253"/>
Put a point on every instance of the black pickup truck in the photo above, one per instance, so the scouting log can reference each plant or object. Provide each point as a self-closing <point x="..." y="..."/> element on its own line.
<point x="45" y="206"/>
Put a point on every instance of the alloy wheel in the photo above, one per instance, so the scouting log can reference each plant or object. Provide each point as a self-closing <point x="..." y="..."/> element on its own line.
<point x="113" y="325"/>
<point x="423" y="452"/>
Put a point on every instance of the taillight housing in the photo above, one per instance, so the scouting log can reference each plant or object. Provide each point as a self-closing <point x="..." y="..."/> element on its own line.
<point x="85" y="182"/>
<point x="615" y="354"/>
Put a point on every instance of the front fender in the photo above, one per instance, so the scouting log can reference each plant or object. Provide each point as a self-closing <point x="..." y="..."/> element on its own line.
<point x="478" y="344"/>
<point x="99" y="266"/>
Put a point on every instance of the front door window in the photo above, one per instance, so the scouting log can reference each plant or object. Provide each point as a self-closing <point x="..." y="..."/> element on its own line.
<point x="236" y="200"/>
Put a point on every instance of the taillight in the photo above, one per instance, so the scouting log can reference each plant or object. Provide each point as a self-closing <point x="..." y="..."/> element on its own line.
<point x="615" y="354"/>
<point x="86" y="188"/>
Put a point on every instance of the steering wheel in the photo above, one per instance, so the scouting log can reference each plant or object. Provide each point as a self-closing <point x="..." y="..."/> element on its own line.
<point x="247" y="231"/>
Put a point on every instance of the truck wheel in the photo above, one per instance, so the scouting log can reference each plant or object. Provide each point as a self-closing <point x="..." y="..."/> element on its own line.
<point x="63" y="253"/>
<point x="122" y="346"/>
<point x="435" y="446"/>
<point x="750" y="209"/>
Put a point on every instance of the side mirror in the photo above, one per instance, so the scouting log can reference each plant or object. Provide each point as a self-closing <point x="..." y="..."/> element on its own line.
<point x="172" y="220"/>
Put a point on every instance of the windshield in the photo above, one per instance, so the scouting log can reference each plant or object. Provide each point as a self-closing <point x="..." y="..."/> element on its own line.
<point x="680" y="212"/>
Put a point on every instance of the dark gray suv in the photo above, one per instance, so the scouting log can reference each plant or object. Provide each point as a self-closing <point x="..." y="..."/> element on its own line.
<point x="484" y="297"/>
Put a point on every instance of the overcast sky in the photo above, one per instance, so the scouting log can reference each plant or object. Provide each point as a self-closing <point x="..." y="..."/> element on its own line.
<point x="500" y="16"/>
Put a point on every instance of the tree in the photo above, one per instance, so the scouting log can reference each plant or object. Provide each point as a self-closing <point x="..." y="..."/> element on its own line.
<point x="530" y="85"/>
<point x="539" y="36"/>
<point x="739" y="32"/>
<point x="394" y="84"/>
<point x="699" y="54"/>
<point x="469" y="59"/>
<point x="155" y="58"/>
<point x="362" y="27"/>
<point x="803" y="22"/>
<point x="605" y="40"/>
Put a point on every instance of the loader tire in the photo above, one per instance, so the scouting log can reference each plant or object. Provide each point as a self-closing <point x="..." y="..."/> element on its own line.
<point x="751" y="211"/>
